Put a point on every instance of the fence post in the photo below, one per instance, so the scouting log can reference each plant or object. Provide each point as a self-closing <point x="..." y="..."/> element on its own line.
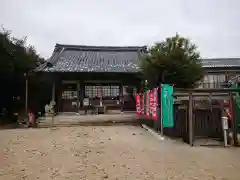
<point x="190" y="119"/>
<point x="225" y="128"/>
<point x="161" y="110"/>
<point x="234" y="119"/>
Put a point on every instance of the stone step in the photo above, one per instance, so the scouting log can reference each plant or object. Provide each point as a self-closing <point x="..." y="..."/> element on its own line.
<point x="89" y="122"/>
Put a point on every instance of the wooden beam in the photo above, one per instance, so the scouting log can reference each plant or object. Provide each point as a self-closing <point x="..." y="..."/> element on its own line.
<point x="221" y="70"/>
<point x="182" y="98"/>
<point x="53" y="91"/>
<point x="121" y="96"/>
<point x="203" y="94"/>
<point x="102" y="81"/>
<point x="190" y="119"/>
<point x="78" y="96"/>
<point x="82" y="92"/>
<point x="101" y="96"/>
<point x="59" y="96"/>
<point x="206" y="90"/>
<point x="69" y="82"/>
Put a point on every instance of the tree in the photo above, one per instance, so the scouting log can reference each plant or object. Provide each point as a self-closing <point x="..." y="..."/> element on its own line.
<point x="174" y="61"/>
<point x="16" y="59"/>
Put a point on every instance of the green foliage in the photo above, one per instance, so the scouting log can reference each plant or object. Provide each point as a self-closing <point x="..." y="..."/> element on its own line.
<point x="15" y="60"/>
<point x="175" y="61"/>
<point x="15" y="56"/>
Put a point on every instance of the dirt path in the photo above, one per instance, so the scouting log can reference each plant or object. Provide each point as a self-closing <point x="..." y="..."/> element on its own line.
<point x="118" y="152"/>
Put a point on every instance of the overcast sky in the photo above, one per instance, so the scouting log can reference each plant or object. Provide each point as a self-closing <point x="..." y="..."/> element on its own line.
<point x="214" y="25"/>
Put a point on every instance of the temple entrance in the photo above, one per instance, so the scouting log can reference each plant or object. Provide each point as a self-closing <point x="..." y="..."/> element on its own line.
<point x="103" y="95"/>
<point x="69" y="97"/>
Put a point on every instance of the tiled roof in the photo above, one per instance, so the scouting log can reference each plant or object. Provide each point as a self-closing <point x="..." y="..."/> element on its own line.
<point x="221" y="62"/>
<point x="71" y="58"/>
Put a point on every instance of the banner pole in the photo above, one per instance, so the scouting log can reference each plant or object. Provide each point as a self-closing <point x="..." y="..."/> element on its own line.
<point x="161" y="111"/>
<point x="154" y="120"/>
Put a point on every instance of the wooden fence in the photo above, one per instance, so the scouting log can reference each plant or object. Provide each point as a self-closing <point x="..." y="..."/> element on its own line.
<point x="192" y="121"/>
<point x="207" y="123"/>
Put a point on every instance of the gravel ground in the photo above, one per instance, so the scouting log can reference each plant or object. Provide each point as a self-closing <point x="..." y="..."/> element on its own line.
<point x="112" y="152"/>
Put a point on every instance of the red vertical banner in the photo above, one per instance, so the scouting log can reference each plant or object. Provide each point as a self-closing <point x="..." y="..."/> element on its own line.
<point x="142" y="104"/>
<point x="150" y="102"/>
<point x="138" y="105"/>
<point x="147" y="105"/>
<point x="155" y="104"/>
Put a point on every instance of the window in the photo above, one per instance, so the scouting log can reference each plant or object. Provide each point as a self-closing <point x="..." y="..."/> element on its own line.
<point x="88" y="91"/>
<point x="69" y="95"/>
<point x="107" y="91"/>
<point x="114" y="91"/>
<point x="69" y="91"/>
<point x="222" y="77"/>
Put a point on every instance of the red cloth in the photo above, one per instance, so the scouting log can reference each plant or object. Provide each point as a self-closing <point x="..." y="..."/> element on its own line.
<point x="138" y="105"/>
<point x="31" y="117"/>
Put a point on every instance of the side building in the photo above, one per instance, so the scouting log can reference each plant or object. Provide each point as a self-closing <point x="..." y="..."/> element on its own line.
<point x="218" y="71"/>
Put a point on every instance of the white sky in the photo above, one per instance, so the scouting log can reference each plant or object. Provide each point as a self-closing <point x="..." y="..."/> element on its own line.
<point x="214" y="25"/>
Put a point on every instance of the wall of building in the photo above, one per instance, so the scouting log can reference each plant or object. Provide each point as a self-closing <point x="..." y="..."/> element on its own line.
<point x="73" y="94"/>
<point x="214" y="80"/>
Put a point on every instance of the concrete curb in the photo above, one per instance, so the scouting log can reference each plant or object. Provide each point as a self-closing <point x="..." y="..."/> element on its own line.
<point x="155" y="134"/>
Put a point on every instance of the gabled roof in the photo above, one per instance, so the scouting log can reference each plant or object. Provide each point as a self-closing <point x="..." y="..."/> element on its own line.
<point x="73" y="58"/>
<point x="221" y="62"/>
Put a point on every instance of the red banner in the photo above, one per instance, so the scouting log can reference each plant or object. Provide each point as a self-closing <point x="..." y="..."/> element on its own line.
<point x="142" y="104"/>
<point x="138" y="105"/>
<point x="147" y="104"/>
<point x="155" y="104"/>
<point x="150" y="102"/>
<point x="149" y="107"/>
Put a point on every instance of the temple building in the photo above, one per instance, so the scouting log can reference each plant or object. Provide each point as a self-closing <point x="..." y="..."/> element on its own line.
<point x="93" y="75"/>
<point x="84" y="76"/>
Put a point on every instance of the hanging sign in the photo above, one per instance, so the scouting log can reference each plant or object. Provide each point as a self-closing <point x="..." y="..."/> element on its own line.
<point x="142" y="104"/>
<point x="167" y="105"/>
<point x="138" y="105"/>
<point x="86" y="102"/>
<point x="155" y="104"/>
<point x="150" y="103"/>
<point x="147" y="105"/>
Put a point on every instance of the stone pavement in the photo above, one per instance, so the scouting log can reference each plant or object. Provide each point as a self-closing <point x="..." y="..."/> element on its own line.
<point x="74" y="119"/>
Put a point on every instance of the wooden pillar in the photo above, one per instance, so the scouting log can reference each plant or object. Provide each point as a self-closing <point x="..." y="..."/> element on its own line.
<point x="190" y="119"/>
<point x="101" y="96"/>
<point x="53" y="91"/>
<point x="54" y="94"/>
<point x="26" y="94"/>
<point x="91" y="102"/>
<point x="121" y="97"/>
<point x="82" y="93"/>
<point x="59" y="96"/>
<point x="226" y="76"/>
<point x="78" y="97"/>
